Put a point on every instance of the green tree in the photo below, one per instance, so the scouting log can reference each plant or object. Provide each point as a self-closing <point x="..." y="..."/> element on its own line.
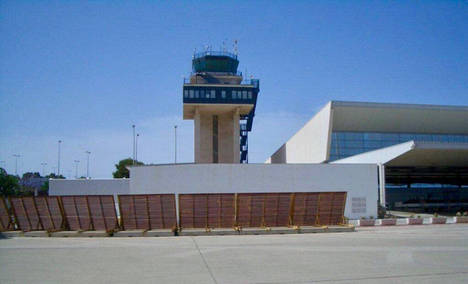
<point x="52" y="175"/>
<point x="44" y="190"/>
<point x="8" y="183"/>
<point x="121" y="168"/>
<point x="31" y="175"/>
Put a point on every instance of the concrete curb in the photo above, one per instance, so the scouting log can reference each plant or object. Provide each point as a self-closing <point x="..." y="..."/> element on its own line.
<point x="65" y="234"/>
<point x="194" y="232"/>
<point x="184" y="232"/>
<point x="408" y="221"/>
<point x="245" y="231"/>
<point x="94" y="234"/>
<point x="11" y="234"/>
<point x="159" y="233"/>
<point x="36" y="234"/>
<point x="340" y="229"/>
<point x="129" y="234"/>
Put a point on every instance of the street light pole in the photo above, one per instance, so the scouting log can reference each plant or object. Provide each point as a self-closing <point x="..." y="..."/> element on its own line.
<point x="76" y="168"/>
<point x="87" y="164"/>
<point x="136" y="147"/>
<point x="43" y="168"/>
<point x="16" y="163"/>
<point x="133" y="126"/>
<point x="58" y="162"/>
<point x="175" y="144"/>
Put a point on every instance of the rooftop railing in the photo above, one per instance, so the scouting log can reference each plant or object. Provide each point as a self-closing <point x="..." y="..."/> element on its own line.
<point x="214" y="53"/>
<point x="250" y="82"/>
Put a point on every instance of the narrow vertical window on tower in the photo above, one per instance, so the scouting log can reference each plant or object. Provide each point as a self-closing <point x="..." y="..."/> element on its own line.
<point x="215" y="139"/>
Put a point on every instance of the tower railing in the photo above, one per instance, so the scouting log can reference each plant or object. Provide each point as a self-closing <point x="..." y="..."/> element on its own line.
<point x="214" y="53"/>
<point x="247" y="82"/>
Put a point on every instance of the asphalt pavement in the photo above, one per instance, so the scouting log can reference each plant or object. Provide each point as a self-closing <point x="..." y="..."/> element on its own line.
<point x="404" y="254"/>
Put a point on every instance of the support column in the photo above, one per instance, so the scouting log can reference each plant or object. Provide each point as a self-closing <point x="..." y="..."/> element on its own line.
<point x="197" y="122"/>
<point x="236" y="137"/>
<point x="382" y="184"/>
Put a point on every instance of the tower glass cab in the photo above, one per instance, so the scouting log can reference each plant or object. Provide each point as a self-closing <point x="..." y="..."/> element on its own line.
<point x="222" y="105"/>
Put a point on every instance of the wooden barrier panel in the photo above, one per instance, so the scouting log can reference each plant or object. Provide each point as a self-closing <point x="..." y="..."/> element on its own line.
<point x="50" y="213"/>
<point x="76" y="213"/>
<point x="25" y="213"/>
<point x="305" y="209"/>
<point x="103" y="214"/>
<point x="325" y="208"/>
<point x="338" y="208"/>
<point x="331" y="208"/>
<point x="213" y="210"/>
<point x="37" y="213"/>
<point x="318" y="208"/>
<point x="263" y="209"/>
<point x="147" y="211"/>
<point x="90" y="212"/>
<point x="5" y="220"/>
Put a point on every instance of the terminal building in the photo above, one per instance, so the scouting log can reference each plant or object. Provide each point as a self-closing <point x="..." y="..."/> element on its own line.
<point x="399" y="155"/>
<point x="421" y="150"/>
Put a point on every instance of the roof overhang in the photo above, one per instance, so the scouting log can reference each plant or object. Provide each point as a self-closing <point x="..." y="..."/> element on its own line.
<point x="399" y="118"/>
<point x="415" y="154"/>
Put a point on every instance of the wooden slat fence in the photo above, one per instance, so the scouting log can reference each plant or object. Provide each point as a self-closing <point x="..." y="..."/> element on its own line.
<point x="147" y="211"/>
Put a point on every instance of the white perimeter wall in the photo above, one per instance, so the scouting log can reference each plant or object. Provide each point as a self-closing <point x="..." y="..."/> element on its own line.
<point x="88" y="187"/>
<point x="359" y="180"/>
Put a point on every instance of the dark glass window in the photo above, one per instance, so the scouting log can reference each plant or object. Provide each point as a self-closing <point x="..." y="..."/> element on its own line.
<point x="345" y="144"/>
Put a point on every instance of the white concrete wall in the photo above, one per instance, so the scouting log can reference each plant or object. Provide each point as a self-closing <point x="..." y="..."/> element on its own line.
<point x="359" y="180"/>
<point x="310" y="144"/>
<point x="379" y="156"/>
<point x="88" y="187"/>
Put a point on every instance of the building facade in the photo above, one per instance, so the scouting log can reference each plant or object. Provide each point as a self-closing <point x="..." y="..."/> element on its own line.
<point x="421" y="150"/>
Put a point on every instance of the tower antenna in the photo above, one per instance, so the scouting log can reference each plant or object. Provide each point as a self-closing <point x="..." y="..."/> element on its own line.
<point x="235" y="47"/>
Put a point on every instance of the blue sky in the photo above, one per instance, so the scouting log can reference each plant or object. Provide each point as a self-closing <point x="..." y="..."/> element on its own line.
<point x="84" y="72"/>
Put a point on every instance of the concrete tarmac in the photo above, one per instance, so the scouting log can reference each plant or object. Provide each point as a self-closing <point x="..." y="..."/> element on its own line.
<point x="407" y="254"/>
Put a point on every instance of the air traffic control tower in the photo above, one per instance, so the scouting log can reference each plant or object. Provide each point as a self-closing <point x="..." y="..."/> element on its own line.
<point x="222" y="105"/>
